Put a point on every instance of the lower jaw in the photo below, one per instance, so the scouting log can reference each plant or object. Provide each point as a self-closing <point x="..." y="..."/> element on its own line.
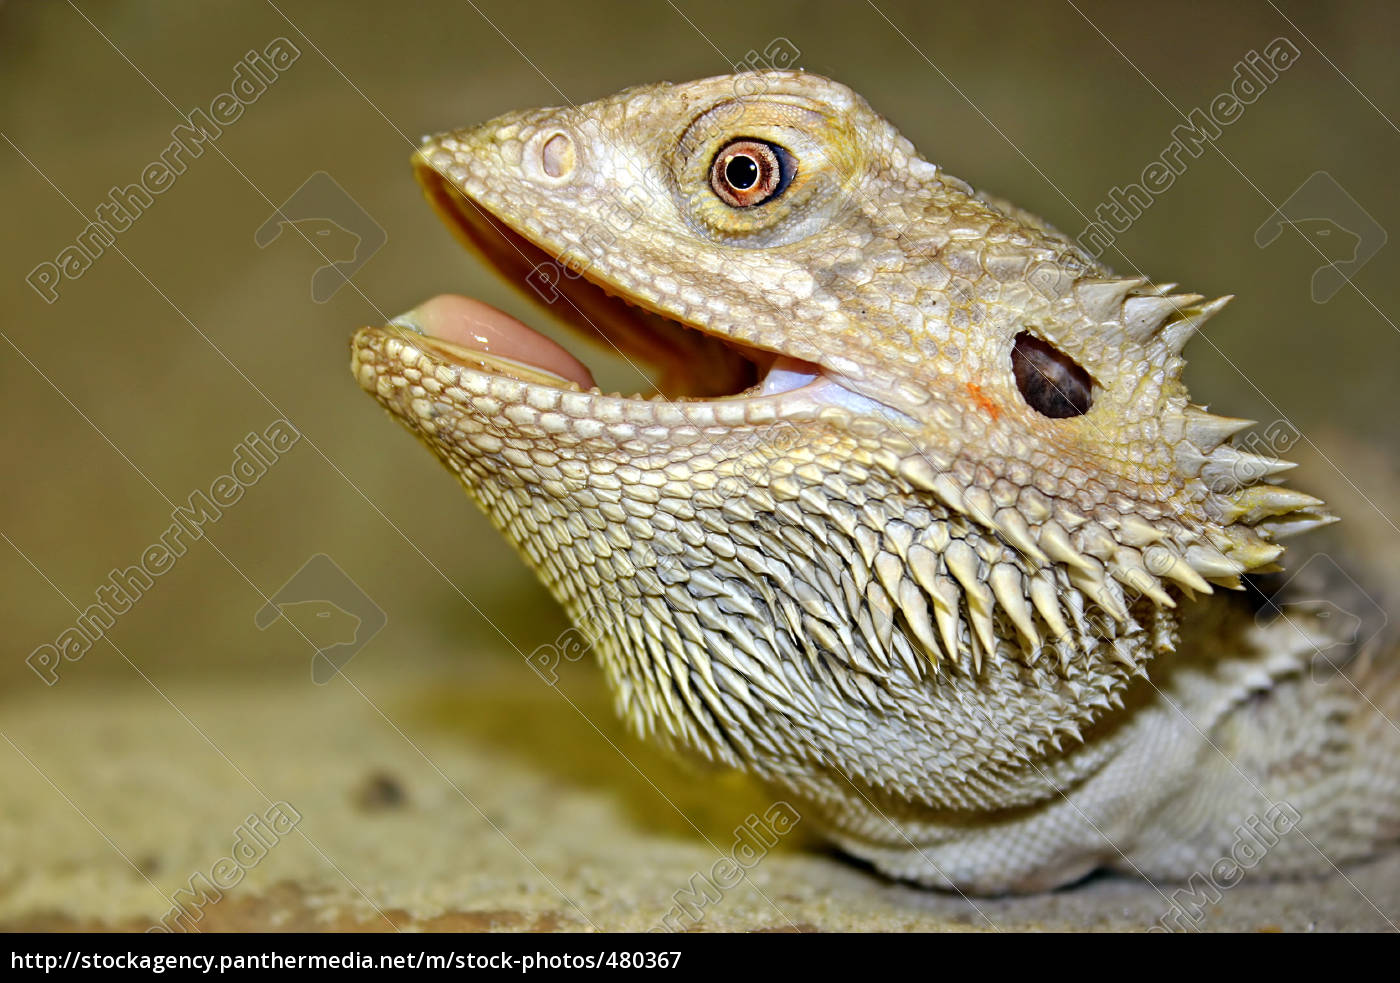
<point x="473" y="335"/>
<point x="434" y="387"/>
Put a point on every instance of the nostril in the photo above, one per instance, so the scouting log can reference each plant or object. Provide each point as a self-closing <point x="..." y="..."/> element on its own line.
<point x="557" y="155"/>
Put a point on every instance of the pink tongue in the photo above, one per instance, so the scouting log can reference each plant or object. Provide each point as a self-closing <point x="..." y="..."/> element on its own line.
<point x="482" y="328"/>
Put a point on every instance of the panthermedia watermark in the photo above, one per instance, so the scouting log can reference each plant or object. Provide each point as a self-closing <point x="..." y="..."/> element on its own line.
<point x="1335" y="225"/>
<point x="754" y="839"/>
<point x="340" y="231"/>
<point x="252" y="458"/>
<point x="329" y="610"/>
<point x="1330" y="611"/>
<point x="1125" y="204"/>
<point x="252" y="76"/>
<point x="1254" y="838"/>
<point x="253" y="840"/>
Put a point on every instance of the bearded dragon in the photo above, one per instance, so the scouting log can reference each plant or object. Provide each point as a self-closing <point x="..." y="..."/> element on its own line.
<point x="920" y="528"/>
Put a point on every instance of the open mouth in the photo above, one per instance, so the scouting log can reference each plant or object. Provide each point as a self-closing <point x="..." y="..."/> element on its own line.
<point x="686" y="362"/>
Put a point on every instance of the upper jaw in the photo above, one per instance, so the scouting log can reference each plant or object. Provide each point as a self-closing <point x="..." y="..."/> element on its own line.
<point x="612" y="294"/>
<point x="579" y="214"/>
<point x="534" y="255"/>
<point x="618" y="211"/>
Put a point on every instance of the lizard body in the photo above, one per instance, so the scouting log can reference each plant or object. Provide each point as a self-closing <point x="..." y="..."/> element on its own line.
<point x="922" y="528"/>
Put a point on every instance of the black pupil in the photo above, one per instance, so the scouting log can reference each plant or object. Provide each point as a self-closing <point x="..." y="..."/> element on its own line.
<point x="741" y="172"/>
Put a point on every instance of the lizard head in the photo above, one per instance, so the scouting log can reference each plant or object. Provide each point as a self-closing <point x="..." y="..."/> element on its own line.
<point x="900" y="425"/>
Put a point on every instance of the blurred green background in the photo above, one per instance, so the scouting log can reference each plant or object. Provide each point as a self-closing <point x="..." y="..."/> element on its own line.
<point x="134" y="388"/>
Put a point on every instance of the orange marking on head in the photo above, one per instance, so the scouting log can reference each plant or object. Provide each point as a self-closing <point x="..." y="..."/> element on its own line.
<point x="982" y="400"/>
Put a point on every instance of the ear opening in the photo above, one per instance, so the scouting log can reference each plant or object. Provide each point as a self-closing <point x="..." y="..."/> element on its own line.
<point x="1051" y="383"/>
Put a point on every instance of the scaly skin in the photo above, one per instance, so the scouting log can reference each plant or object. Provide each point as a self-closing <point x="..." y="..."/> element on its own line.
<point x="983" y="647"/>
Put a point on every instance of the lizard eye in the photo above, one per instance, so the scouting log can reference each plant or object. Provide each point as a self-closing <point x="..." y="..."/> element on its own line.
<point x="751" y="172"/>
<point x="1052" y="383"/>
